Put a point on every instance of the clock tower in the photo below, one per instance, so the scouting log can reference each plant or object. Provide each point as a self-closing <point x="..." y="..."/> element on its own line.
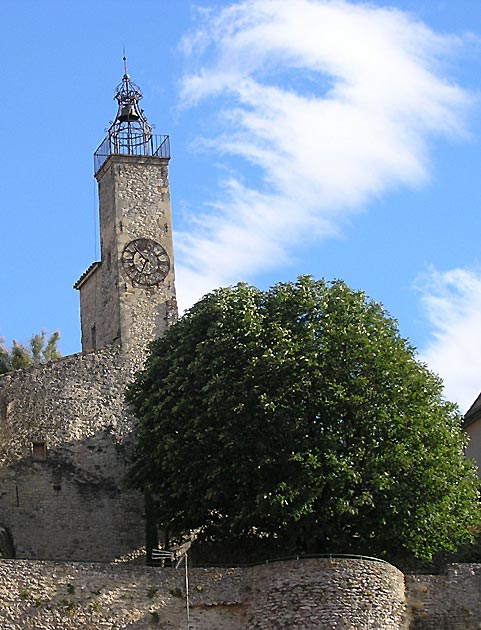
<point x="128" y="297"/>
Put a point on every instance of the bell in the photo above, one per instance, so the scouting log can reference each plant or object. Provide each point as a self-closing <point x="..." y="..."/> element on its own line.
<point x="128" y="113"/>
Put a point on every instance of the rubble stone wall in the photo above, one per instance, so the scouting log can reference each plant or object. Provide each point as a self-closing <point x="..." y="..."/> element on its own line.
<point x="317" y="594"/>
<point x="446" y="602"/>
<point x="134" y="202"/>
<point x="337" y="593"/>
<point x="310" y="594"/>
<point x="75" y="503"/>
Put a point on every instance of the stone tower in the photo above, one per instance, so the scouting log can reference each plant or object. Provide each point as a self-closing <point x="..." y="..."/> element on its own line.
<point x="66" y="437"/>
<point x="128" y="297"/>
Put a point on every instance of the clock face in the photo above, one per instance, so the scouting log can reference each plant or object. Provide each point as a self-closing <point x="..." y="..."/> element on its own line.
<point x="145" y="262"/>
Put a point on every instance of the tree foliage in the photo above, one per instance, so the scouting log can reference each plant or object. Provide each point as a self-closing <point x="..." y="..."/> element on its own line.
<point x="40" y="349"/>
<point x="300" y="415"/>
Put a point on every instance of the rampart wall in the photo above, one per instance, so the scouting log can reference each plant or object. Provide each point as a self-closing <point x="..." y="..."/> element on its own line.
<point x="451" y="601"/>
<point x="307" y="595"/>
<point x="316" y="594"/>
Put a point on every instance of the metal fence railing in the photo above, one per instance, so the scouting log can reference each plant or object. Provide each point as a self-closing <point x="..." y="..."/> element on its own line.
<point x="129" y="143"/>
<point x="300" y="557"/>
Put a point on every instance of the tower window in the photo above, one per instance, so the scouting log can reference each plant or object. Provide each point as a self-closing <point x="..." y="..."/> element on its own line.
<point x="39" y="451"/>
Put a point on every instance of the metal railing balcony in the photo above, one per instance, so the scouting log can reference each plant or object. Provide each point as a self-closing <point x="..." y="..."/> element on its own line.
<point x="139" y="144"/>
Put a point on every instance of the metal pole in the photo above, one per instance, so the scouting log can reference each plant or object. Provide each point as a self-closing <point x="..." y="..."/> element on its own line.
<point x="187" y="604"/>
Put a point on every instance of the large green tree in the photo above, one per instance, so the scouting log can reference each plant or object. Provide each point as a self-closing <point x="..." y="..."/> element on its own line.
<point x="40" y="349"/>
<point x="300" y="415"/>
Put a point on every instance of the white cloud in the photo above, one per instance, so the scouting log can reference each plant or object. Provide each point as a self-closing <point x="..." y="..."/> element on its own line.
<point x="453" y="304"/>
<point x="334" y="102"/>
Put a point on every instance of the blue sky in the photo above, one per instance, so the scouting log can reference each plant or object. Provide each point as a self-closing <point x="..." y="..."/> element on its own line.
<point x="340" y="139"/>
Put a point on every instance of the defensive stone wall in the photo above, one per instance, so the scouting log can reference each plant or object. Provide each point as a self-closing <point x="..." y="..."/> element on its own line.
<point x="446" y="602"/>
<point x="65" y="438"/>
<point x="317" y="594"/>
<point x="308" y="595"/>
<point x="314" y="594"/>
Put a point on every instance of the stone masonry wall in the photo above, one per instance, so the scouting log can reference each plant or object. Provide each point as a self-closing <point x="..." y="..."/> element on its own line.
<point x="313" y="594"/>
<point x="316" y="594"/>
<point x="446" y="602"/>
<point x="95" y="327"/>
<point x="99" y="302"/>
<point x="337" y="593"/>
<point x="74" y="504"/>
<point x="142" y="198"/>
<point x="134" y="201"/>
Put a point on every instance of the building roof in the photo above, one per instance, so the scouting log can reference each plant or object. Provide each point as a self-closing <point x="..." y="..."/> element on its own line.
<point x="473" y="413"/>
<point x="86" y="274"/>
